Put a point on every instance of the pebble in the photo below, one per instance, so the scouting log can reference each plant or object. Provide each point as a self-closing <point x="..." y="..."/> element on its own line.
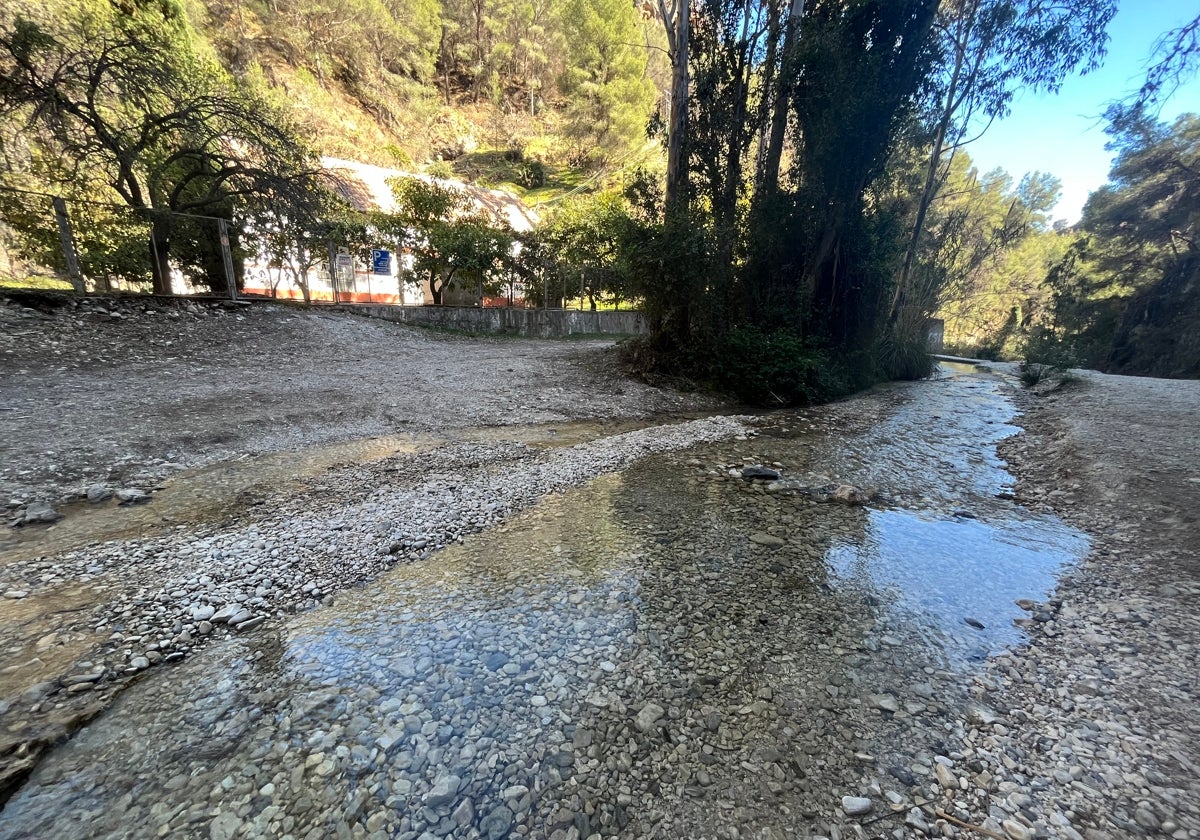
<point x="443" y="792"/>
<point x="649" y="715"/>
<point x="1016" y="831"/>
<point x="855" y="806"/>
<point x="378" y="730"/>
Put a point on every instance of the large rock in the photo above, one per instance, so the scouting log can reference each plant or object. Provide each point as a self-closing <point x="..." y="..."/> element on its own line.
<point x="444" y="791"/>
<point x="762" y="473"/>
<point x="98" y="493"/>
<point x="38" y="512"/>
<point x="650" y="714"/>
<point x="497" y="823"/>
<point x="848" y="494"/>
<point x="132" y="496"/>
<point x="856" y="806"/>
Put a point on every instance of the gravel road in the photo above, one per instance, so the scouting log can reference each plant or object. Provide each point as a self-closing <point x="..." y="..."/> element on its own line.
<point x="126" y="391"/>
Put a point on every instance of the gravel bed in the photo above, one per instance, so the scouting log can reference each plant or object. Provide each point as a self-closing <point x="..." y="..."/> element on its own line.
<point x="157" y="600"/>
<point x="123" y="391"/>
<point x="671" y="649"/>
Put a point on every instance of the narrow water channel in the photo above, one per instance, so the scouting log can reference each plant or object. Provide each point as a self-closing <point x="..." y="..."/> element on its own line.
<point x="669" y="651"/>
<point x="210" y="492"/>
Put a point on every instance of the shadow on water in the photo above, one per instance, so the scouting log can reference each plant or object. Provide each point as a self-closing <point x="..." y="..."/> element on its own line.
<point x="667" y="648"/>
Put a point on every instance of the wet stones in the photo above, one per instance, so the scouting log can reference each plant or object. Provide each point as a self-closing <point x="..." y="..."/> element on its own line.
<point x="444" y="791"/>
<point x="97" y="493"/>
<point x="849" y="494"/>
<point x="132" y="496"/>
<point x="759" y="473"/>
<point x="767" y="540"/>
<point x="884" y="702"/>
<point x="497" y="823"/>
<point x="36" y="513"/>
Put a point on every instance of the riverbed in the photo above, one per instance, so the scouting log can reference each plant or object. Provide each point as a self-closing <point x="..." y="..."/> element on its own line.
<point x="666" y="649"/>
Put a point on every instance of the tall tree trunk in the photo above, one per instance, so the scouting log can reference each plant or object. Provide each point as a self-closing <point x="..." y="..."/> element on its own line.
<point x="677" y="21"/>
<point x="779" y="107"/>
<point x="770" y="73"/>
<point x="930" y="188"/>
<point x="443" y="51"/>
<point x="160" y="247"/>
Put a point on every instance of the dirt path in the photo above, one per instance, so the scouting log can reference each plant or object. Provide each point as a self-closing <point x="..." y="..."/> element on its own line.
<point x="124" y="392"/>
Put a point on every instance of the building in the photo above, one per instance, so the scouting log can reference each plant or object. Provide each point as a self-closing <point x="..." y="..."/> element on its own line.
<point x="389" y="278"/>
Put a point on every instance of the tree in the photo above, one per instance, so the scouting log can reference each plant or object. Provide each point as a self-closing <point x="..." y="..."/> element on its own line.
<point x="126" y="96"/>
<point x="610" y="96"/>
<point x="676" y="18"/>
<point x="1176" y="58"/>
<point x="862" y="63"/>
<point x="988" y="250"/>
<point x="447" y="236"/>
<point x="586" y="235"/>
<point x="991" y="48"/>
<point x="1128" y="293"/>
<point x="296" y="237"/>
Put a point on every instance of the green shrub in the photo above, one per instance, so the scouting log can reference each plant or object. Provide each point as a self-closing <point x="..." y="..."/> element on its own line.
<point x="531" y="174"/>
<point x="440" y="169"/>
<point x="1047" y="358"/>
<point x="775" y="368"/>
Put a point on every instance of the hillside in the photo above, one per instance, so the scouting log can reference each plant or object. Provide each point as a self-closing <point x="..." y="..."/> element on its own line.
<point x="537" y="96"/>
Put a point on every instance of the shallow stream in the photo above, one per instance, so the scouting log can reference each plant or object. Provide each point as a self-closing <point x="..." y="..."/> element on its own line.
<point x="669" y="651"/>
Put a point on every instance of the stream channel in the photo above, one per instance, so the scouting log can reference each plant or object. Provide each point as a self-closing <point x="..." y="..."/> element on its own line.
<point x="668" y="651"/>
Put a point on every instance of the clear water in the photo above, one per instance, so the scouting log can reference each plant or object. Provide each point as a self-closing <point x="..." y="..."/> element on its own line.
<point x="517" y="662"/>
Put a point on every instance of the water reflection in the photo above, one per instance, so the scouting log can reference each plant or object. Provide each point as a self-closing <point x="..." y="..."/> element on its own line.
<point x="474" y="667"/>
<point x="210" y="492"/>
<point x="624" y="659"/>
<point x="942" y="572"/>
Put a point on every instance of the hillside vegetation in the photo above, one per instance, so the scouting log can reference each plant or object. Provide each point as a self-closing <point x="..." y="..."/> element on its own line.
<point x="781" y="187"/>
<point x="549" y="83"/>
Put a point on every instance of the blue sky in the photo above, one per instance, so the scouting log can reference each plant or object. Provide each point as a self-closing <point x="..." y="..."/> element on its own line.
<point x="1063" y="134"/>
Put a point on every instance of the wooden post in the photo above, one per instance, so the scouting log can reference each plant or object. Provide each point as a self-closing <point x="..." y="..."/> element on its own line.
<point x="333" y="270"/>
<point x="227" y="258"/>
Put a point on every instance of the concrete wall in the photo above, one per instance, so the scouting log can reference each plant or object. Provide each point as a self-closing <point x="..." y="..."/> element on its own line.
<point x="535" y="323"/>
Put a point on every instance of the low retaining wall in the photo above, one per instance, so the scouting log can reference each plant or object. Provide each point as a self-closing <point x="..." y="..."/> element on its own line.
<point x="535" y="323"/>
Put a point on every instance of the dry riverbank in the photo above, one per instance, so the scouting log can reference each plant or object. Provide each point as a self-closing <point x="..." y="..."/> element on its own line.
<point x="1116" y="667"/>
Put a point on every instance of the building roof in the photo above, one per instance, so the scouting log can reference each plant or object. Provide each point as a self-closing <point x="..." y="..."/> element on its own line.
<point x="365" y="187"/>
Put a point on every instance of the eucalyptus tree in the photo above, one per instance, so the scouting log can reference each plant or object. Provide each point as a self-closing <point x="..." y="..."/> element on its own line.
<point x="990" y="49"/>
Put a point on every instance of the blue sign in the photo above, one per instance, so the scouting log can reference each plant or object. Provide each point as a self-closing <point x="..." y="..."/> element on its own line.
<point x="381" y="262"/>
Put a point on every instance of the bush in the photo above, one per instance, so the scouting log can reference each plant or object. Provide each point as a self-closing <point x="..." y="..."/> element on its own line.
<point x="1047" y="358"/>
<point x="531" y="174"/>
<point x="775" y="368"/>
<point x="440" y="169"/>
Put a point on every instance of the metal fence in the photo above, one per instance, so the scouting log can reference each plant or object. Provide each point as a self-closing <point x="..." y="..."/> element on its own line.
<point x="50" y="242"/>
